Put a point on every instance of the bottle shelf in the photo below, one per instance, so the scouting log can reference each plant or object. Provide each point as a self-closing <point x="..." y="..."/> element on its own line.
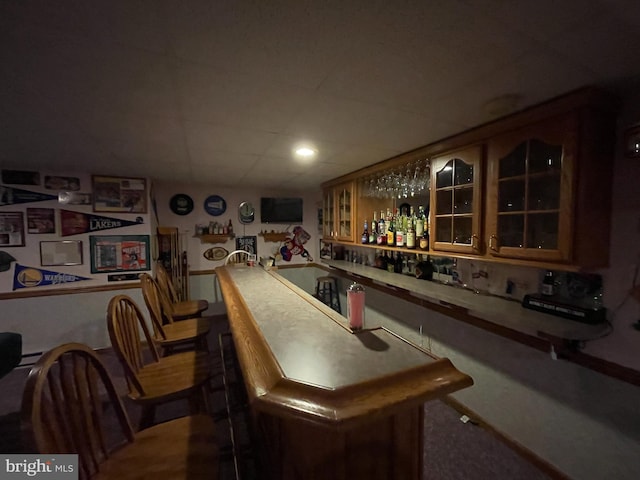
<point x="380" y="247"/>
<point x="274" y="236"/>
<point x="214" y="238"/>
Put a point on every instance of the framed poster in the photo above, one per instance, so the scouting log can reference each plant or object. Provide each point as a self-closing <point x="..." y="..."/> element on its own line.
<point x="41" y="220"/>
<point x="64" y="252"/>
<point x="248" y="244"/>
<point x="326" y="250"/>
<point x="20" y="177"/>
<point x="119" y="253"/>
<point x="119" y="194"/>
<point x="52" y="182"/>
<point x="11" y="229"/>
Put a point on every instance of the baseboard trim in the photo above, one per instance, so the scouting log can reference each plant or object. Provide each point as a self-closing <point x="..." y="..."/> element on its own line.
<point x="547" y="468"/>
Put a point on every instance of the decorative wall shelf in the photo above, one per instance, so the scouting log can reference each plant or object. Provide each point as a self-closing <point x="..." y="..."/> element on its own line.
<point x="274" y="236"/>
<point x="214" y="238"/>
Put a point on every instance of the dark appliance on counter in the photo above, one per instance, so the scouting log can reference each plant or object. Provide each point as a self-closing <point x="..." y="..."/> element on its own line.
<point x="578" y="297"/>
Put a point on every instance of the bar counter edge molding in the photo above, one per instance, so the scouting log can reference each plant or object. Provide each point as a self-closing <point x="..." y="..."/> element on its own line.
<point x="343" y="407"/>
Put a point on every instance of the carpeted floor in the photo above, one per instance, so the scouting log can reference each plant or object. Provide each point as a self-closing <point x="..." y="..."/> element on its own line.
<point x="453" y="450"/>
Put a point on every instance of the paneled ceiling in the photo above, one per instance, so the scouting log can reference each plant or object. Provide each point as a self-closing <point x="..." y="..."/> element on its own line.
<point x="219" y="92"/>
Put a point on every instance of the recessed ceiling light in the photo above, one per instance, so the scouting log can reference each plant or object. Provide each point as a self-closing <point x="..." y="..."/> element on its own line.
<point x="305" y="152"/>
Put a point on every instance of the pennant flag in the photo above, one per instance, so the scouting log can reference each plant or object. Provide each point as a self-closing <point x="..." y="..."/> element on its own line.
<point x="12" y="196"/>
<point x="74" y="223"/>
<point x="27" y="277"/>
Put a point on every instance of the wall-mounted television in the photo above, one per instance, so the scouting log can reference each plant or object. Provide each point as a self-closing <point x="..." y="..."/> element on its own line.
<point x="280" y="210"/>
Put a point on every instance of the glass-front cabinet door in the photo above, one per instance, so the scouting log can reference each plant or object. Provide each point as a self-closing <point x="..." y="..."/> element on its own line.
<point x="337" y="212"/>
<point x="328" y="214"/>
<point x="456" y="201"/>
<point x="345" y="211"/>
<point x="530" y="191"/>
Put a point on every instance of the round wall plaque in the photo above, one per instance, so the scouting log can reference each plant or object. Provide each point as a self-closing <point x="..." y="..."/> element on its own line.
<point x="246" y="212"/>
<point x="215" y="205"/>
<point x="181" y="204"/>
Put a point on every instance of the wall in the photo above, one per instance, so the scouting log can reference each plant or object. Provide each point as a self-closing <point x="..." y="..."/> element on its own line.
<point x="29" y="254"/>
<point x="46" y="321"/>
<point x="584" y="423"/>
<point x="623" y="272"/>
<point x="233" y="197"/>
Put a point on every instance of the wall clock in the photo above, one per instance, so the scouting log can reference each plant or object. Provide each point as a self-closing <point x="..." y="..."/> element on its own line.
<point x="246" y="212"/>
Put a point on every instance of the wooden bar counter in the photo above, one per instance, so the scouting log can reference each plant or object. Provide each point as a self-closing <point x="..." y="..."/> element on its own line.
<point x="328" y="403"/>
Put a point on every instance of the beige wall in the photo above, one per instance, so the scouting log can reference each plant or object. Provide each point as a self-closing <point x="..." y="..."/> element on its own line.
<point x="233" y="197"/>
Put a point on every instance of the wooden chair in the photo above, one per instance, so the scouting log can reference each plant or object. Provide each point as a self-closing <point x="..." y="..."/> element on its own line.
<point x="151" y="378"/>
<point x="167" y="332"/>
<point x="237" y="257"/>
<point x="71" y="405"/>
<point x="180" y="308"/>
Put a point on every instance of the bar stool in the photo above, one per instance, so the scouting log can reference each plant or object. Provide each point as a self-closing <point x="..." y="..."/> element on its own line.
<point x="327" y="292"/>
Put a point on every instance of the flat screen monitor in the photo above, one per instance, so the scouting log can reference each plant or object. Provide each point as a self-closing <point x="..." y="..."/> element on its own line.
<point x="280" y="210"/>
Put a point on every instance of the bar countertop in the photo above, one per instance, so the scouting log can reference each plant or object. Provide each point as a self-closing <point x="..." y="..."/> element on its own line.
<point x="496" y="310"/>
<point x="299" y="358"/>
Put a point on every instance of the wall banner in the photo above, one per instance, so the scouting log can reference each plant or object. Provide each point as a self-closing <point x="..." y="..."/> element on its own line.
<point x="12" y="196"/>
<point x="74" y="223"/>
<point x="27" y="277"/>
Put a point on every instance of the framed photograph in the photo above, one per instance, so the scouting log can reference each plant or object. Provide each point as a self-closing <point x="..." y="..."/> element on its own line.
<point x="249" y="244"/>
<point x="119" y="194"/>
<point x="119" y="253"/>
<point x="64" y="252"/>
<point x="41" y="220"/>
<point x="20" y="177"/>
<point x="325" y="250"/>
<point x="11" y="229"/>
<point x="52" y="182"/>
<point x="74" y="198"/>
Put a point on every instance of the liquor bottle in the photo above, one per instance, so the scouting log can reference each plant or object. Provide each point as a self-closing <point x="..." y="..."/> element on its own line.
<point x="405" y="221"/>
<point x="391" y="263"/>
<point x="548" y="284"/>
<point x="427" y="220"/>
<point x="365" y="233"/>
<point x="382" y="230"/>
<point x="419" y="222"/>
<point x="424" y="239"/>
<point x="230" y="228"/>
<point x="411" y="233"/>
<point x="391" y="232"/>
<point x="372" y="230"/>
<point x="400" y="232"/>
<point x="397" y="267"/>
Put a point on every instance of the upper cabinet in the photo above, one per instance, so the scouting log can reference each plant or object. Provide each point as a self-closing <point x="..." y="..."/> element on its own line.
<point x="339" y="212"/>
<point x="533" y="188"/>
<point x="456" y="201"/>
<point x="530" y="201"/>
<point x="549" y="190"/>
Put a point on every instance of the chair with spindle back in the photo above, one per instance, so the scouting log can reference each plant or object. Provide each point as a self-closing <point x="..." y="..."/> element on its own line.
<point x="167" y="332"/>
<point x="153" y="379"/>
<point x="70" y="405"/>
<point x="180" y="308"/>
<point x="237" y="257"/>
